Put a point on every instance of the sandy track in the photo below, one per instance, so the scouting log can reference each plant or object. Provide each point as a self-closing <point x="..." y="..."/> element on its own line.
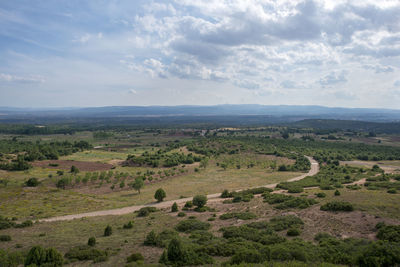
<point x="166" y="204"/>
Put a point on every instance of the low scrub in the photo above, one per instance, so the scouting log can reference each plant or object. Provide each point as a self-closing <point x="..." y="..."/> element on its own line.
<point x="238" y="215"/>
<point x="192" y="225"/>
<point x="144" y="212"/>
<point x="84" y="253"/>
<point x="337" y="206"/>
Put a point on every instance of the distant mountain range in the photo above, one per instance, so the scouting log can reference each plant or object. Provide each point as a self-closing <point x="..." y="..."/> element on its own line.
<point x="270" y="113"/>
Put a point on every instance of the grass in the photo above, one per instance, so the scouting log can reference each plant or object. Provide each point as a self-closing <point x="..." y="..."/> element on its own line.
<point x="47" y="201"/>
<point x="374" y="202"/>
<point x="122" y="243"/>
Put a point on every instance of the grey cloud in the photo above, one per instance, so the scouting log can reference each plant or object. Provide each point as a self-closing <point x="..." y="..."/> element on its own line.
<point x="379" y="68"/>
<point x="247" y="84"/>
<point x="396" y="83"/>
<point x="4" y="77"/>
<point x="333" y="78"/>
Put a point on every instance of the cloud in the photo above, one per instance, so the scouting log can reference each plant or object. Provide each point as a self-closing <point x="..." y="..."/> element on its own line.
<point x="379" y="68"/>
<point x="396" y="83"/>
<point x="132" y="91"/>
<point x="333" y="78"/>
<point x="4" y="77"/>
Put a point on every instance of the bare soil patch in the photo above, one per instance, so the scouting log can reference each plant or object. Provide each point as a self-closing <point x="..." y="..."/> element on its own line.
<point x="66" y="165"/>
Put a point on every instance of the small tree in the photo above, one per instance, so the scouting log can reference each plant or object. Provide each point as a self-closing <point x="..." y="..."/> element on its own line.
<point x="151" y="239"/>
<point x="175" y="251"/>
<point x="108" y="231"/>
<point x="91" y="241"/>
<point x="200" y="201"/>
<point x="160" y="195"/>
<point x="174" y="207"/>
<point x="74" y="169"/>
<point x="138" y="184"/>
<point x="337" y="193"/>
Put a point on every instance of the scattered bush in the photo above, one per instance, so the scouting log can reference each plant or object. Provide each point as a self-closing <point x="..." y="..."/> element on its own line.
<point x="32" y="182"/>
<point x="181" y="214"/>
<point x="128" y="225"/>
<point x="143" y="212"/>
<point x="174" y="207"/>
<point x="135" y="257"/>
<point x="295" y="189"/>
<point x="389" y="233"/>
<point x="337" y="193"/>
<point x="337" y="206"/>
<point x="200" y="201"/>
<point x="320" y="195"/>
<point x="5" y="238"/>
<point x="160" y="195"/>
<point x="293" y="232"/>
<point x="392" y="191"/>
<point x="192" y="225"/>
<point x="84" y="253"/>
<point x="38" y="256"/>
<point x="108" y="231"/>
<point x="238" y="215"/>
<point x="92" y="241"/>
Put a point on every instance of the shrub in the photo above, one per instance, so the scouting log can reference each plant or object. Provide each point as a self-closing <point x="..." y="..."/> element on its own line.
<point x="337" y="206"/>
<point x="174" y="207"/>
<point x="200" y="201"/>
<point x="320" y="195"/>
<point x="32" y="182"/>
<point x="92" y="241"/>
<point x="128" y="225"/>
<point x="38" y="256"/>
<point x="5" y="238"/>
<point x="389" y="233"/>
<point x="160" y="195"/>
<point x="293" y="232"/>
<point x="181" y="214"/>
<point x="337" y="193"/>
<point x="150" y="239"/>
<point x="248" y="256"/>
<point x="84" y="253"/>
<point x="226" y="194"/>
<point x="135" y="257"/>
<point x="280" y="223"/>
<point x="238" y="215"/>
<point x="188" y="204"/>
<point x="295" y="189"/>
<point x="74" y="169"/>
<point x="192" y="225"/>
<point x="24" y="224"/>
<point x="143" y="212"/>
<point x="392" y="191"/>
<point x="108" y="231"/>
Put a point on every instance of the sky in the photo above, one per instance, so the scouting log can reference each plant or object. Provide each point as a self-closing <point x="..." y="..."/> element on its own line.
<point x="70" y="53"/>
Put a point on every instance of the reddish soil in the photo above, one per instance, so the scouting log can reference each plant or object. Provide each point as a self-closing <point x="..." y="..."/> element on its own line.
<point x="66" y="165"/>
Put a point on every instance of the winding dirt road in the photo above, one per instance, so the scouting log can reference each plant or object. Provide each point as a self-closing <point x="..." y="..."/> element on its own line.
<point x="166" y="204"/>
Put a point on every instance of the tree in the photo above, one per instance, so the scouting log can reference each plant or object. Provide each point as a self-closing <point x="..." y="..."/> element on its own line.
<point x="138" y="184"/>
<point x="175" y="251"/>
<point x="38" y="256"/>
<point x="174" y="207"/>
<point x="91" y="241"/>
<point x="108" y="231"/>
<point x="200" y="201"/>
<point x="32" y="182"/>
<point x="74" y="169"/>
<point x="160" y="195"/>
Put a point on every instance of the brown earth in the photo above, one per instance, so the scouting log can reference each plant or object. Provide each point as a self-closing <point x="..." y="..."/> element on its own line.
<point x="66" y="165"/>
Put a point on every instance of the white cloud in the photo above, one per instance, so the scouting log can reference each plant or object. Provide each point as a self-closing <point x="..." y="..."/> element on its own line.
<point x="21" y="79"/>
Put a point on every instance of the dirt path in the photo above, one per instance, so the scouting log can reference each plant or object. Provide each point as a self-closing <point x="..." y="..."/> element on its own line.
<point x="166" y="204"/>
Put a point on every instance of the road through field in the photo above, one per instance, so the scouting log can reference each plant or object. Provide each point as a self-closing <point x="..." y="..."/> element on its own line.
<point x="166" y="204"/>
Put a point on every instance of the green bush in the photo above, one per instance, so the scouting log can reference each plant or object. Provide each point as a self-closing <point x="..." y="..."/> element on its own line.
<point x="181" y="214"/>
<point x="245" y="255"/>
<point x="337" y="193"/>
<point x="5" y="238"/>
<point x="108" y="231"/>
<point x="337" y="206"/>
<point x="200" y="201"/>
<point x="392" y="191"/>
<point x="320" y="195"/>
<point x="143" y="212"/>
<point x="135" y="257"/>
<point x="32" y="182"/>
<point x="192" y="225"/>
<point x="24" y="224"/>
<point x="174" y="207"/>
<point x="84" y="253"/>
<point x="160" y="195"/>
<point x="92" y="241"/>
<point x="38" y="256"/>
<point x="238" y="215"/>
<point x="389" y="233"/>
<point x="295" y="189"/>
<point x="128" y="225"/>
<point x="293" y="232"/>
